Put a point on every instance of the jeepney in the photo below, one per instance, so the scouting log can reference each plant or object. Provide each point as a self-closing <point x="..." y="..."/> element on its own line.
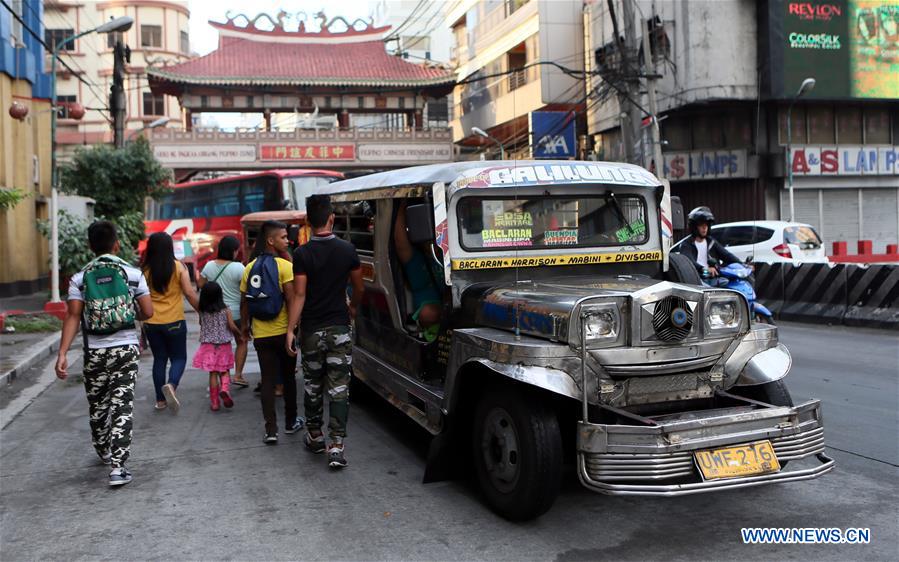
<point x="568" y="337"/>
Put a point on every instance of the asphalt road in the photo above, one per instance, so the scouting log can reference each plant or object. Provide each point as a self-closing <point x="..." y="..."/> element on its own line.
<point x="206" y="487"/>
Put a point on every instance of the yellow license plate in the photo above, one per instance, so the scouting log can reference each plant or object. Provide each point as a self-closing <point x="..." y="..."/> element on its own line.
<point x="734" y="462"/>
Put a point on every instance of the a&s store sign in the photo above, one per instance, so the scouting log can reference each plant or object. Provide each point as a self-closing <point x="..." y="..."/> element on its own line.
<point x="845" y="160"/>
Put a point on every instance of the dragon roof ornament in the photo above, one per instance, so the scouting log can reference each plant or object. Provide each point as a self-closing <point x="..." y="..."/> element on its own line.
<point x="285" y="26"/>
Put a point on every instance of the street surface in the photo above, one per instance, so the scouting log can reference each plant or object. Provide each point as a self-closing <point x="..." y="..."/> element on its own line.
<point x="205" y="487"/>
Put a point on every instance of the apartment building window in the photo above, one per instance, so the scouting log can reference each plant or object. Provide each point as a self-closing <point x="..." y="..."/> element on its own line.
<point x="16" y="36"/>
<point x="185" y="42"/>
<point x="517" y="59"/>
<point x="62" y="106"/>
<point x="151" y="36"/>
<point x="153" y="105"/>
<point x="113" y="38"/>
<point x="53" y="37"/>
<point x="512" y="6"/>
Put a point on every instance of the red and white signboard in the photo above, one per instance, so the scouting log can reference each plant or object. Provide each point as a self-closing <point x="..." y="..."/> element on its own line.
<point x="305" y="152"/>
<point x="844" y="160"/>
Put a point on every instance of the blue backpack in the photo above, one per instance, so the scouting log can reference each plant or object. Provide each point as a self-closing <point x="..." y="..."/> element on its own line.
<point x="264" y="297"/>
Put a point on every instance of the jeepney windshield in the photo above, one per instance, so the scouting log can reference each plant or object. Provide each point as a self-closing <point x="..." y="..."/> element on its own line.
<point x="546" y="222"/>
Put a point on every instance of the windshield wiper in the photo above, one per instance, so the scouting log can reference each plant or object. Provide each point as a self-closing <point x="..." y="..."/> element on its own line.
<point x="621" y="216"/>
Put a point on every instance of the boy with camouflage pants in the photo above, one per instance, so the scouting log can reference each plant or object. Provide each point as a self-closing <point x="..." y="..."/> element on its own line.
<point x="323" y="267"/>
<point x="102" y="299"/>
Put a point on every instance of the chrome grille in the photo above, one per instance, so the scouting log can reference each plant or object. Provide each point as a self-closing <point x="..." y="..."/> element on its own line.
<point x="672" y="319"/>
<point x="611" y="467"/>
<point x="800" y="445"/>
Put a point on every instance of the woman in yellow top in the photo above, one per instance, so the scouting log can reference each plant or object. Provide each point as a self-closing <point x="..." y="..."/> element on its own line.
<point x="169" y="283"/>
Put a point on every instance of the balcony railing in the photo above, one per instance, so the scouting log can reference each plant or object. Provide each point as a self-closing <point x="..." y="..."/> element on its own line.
<point x="367" y="134"/>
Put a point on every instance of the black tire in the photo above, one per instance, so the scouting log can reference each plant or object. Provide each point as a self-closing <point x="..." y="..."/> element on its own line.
<point x="774" y="393"/>
<point x="517" y="453"/>
<point x="682" y="270"/>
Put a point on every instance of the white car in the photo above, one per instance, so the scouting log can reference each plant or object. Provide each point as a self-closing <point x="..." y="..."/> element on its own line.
<point x="770" y="241"/>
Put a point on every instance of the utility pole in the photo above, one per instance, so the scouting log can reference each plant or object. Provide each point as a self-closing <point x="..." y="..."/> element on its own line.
<point x="122" y="54"/>
<point x="649" y="69"/>
<point x="631" y="117"/>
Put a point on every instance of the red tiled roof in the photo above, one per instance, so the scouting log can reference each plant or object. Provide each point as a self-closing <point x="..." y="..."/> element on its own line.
<point x="243" y="62"/>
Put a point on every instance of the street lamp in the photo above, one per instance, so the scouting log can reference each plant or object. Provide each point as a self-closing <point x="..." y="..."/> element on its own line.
<point x="118" y="24"/>
<point x="806" y="87"/>
<point x="151" y="125"/>
<point x="482" y="133"/>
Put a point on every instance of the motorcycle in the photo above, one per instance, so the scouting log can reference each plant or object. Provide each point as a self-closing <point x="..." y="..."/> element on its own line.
<point x="738" y="277"/>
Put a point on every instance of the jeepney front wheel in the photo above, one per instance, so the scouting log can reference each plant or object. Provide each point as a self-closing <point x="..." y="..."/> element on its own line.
<point x="517" y="452"/>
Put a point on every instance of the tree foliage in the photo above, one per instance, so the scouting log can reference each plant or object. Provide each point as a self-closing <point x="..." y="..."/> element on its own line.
<point x="74" y="250"/>
<point x="117" y="179"/>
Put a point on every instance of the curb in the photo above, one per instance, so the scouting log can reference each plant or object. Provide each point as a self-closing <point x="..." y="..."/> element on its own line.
<point x="31" y="355"/>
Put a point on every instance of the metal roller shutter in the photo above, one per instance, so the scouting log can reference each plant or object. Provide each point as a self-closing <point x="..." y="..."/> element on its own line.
<point x="880" y="222"/>
<point x="840" y="217"/>
<point x="805" y="204"/>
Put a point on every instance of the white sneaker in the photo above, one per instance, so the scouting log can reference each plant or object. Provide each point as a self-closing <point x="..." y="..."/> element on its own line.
<point x="119" y="476"/>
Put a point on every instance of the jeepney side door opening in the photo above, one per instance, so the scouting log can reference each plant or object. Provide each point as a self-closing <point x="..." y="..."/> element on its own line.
<point x="418" y="276"/>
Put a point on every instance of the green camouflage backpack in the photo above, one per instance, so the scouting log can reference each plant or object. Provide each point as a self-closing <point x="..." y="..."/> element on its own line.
<point x="108" y="304"/>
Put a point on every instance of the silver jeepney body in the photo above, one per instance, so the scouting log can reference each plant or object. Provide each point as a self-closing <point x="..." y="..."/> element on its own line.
<point x="531" y="330"/>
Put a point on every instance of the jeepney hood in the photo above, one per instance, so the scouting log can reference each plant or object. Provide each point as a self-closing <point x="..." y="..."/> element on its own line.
<point x="545" y="307"/>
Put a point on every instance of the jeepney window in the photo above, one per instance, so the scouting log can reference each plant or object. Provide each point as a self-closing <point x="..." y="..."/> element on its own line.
<point x="355" y="223"/>
<point x="494" y="223"/>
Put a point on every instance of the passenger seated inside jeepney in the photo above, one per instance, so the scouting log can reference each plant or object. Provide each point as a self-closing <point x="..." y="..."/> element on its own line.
<point x="422" y="273"/>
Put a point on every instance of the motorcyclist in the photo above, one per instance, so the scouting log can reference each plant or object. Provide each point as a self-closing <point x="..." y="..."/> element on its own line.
<point x="701" y="248"/>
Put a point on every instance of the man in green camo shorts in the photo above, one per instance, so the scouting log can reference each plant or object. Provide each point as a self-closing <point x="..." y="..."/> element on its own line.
<point x="323" y="268"/>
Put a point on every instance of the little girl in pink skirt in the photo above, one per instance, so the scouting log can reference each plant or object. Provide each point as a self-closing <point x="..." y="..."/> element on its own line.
<point x="215" y="354"/>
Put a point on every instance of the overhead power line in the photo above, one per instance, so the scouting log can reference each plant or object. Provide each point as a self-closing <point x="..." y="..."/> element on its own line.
<point x="406" y="21"/>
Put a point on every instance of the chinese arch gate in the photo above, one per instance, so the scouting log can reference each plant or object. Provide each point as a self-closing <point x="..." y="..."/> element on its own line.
<point x="332" y="98"/>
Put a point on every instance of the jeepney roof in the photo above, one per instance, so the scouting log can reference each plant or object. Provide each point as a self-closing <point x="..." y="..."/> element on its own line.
<point x="501" y="173"/>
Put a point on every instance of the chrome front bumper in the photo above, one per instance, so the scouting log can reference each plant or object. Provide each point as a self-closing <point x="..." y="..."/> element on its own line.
<point x="656" y="458"/>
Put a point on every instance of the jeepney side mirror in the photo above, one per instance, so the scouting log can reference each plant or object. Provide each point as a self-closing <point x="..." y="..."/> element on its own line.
<point x="420" y="224"/>
<point x="677" y="214"/>
<point x="293" y="234"/>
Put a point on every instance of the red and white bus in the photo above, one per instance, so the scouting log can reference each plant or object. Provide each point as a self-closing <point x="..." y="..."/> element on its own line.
<point x="200" y="213"/>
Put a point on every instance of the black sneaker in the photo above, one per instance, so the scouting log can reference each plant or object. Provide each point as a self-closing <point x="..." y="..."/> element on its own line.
<point x="119" y="476"/>
<point x="336" y="458"/>
<point x="298" y="424"/>
<point x="314" y="444"/>
<point x="270" y="439"/>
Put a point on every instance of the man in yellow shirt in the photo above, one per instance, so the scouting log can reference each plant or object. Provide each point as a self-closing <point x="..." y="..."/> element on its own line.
<point x="270" y="335"/>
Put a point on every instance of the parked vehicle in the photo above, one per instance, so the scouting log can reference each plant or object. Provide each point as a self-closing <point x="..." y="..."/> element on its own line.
<point x="738" y="277"/>
<point x="770" y="241"/>
<point x="199" y="214"/>
<point x="563" y="336"/>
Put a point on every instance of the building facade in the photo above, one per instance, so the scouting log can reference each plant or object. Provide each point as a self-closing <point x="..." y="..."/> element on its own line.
<point x="727" y="73"/>
<point x="501" y="51"/>
<point x="159" y="36"/>
<point x="24" y="149"/>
